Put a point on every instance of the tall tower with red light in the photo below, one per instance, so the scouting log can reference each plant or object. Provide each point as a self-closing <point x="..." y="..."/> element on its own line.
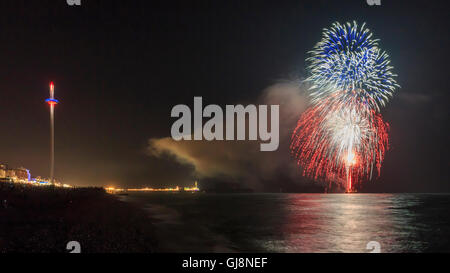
<point x="52" y="102"/>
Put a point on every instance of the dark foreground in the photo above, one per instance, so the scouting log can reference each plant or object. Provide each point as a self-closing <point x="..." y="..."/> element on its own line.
<point x="45" y="219"/>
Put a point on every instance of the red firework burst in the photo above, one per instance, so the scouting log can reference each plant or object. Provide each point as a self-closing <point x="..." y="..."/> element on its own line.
<point x="335" y="142"/>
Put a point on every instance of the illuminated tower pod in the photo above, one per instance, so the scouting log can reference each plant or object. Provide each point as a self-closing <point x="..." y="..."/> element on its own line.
<point x="52" y="102"/>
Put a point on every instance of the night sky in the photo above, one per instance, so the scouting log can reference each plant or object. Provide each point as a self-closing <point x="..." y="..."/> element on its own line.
<point x="120" y="66"/>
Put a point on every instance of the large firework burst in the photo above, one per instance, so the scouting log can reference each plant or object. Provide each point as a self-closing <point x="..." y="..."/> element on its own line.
<point x="342" y="136"/>
<point x="340" y="143"/>
<point x="348" y="58"/>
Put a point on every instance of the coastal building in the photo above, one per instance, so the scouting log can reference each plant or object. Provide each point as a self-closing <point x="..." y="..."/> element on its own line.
<point x="41" y="181"/>
<point x="17" y="175"/>
<point x="23" y="175"/>
<point x="3" y="168"/>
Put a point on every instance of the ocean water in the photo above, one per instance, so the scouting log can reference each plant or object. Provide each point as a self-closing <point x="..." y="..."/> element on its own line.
<point x="297" y="223"/>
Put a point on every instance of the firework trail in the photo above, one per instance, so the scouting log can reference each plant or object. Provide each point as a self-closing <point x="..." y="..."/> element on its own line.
<point x="342" y="136"/>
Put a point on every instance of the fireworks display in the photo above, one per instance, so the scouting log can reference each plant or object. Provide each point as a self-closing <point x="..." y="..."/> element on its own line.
<point x="342" y="137"/>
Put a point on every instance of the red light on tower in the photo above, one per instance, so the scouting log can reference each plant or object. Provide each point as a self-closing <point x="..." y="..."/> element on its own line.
<point x="52" y="101"/>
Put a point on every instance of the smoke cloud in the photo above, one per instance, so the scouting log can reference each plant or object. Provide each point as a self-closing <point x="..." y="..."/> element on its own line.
<point x="242" y="161"/>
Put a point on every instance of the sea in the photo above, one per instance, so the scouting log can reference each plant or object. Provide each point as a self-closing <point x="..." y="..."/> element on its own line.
<point x="298" y="223"/>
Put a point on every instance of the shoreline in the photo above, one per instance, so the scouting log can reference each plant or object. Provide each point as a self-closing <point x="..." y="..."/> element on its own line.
<point x="44" y="219"/>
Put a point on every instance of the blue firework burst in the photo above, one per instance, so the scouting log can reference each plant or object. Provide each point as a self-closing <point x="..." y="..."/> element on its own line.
<point x="348" y="59"/>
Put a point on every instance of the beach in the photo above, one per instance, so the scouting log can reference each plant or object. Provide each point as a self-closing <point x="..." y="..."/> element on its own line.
<point x="44" y="219"/>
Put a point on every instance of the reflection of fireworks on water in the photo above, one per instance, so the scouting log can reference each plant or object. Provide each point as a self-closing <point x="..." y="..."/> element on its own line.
<point x="342" y="136"/>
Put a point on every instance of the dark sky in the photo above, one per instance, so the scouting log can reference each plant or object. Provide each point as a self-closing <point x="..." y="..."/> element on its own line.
<point x="120" y="66"/>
